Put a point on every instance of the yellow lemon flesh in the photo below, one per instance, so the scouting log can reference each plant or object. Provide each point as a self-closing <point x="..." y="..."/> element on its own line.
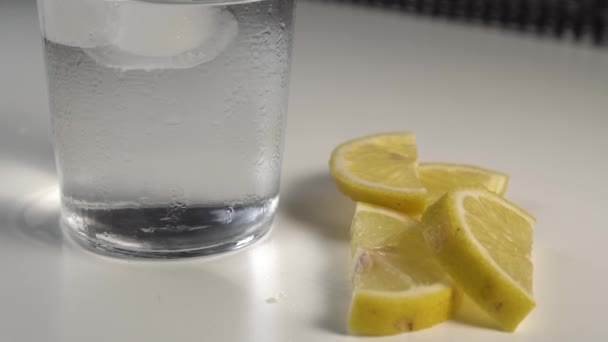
<point x="380" y="169"/>
<point x="484" y="243"/>
<point x="398" y="285"/>
<point x="439" y="178"/>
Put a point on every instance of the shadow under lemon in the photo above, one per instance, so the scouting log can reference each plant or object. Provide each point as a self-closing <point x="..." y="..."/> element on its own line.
<point x="315" y="200"/>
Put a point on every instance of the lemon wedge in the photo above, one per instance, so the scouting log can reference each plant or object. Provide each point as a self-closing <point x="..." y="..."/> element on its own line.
<point x="439" y="178"/>
<point x="380" y="169"/>
<point x="398" y="285"/>
<point x="484" y="243"/>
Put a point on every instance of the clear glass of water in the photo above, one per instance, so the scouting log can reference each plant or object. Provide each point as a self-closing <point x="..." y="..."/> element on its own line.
<point x="168" y="119"/>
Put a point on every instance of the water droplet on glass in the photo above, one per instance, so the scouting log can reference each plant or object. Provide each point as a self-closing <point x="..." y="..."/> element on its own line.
<point x="173" y="121"/>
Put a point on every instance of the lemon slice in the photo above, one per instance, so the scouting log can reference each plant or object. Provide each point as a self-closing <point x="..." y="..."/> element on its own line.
<point x="484" y="243"/>
<point x="397" y="284"/>
<point x="380" y="169"/>
<point x="439" y="178"/>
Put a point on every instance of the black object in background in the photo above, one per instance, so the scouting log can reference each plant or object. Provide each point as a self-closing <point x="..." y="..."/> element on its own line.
<point x="582" y="19"/>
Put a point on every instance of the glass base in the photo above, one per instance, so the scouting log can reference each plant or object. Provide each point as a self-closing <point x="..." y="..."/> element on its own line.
<point x="169" y="232"/>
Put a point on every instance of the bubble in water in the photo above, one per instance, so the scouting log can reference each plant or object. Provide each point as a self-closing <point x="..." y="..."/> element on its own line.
<point x="229" y="215"/>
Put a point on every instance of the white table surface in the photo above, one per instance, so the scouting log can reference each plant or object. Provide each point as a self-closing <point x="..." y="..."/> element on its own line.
<point x="534" y="109"/>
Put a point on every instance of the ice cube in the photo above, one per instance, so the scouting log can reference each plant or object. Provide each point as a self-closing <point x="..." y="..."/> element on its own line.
<point x="166" y="36"/>
<point x="80" y="23"/>
<point x="162" y="30"/>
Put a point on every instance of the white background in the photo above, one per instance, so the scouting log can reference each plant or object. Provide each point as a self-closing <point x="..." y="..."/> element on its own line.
<point x="536" y="109"/>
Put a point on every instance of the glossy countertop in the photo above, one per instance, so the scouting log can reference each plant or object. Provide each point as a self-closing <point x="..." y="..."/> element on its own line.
<point x="533" y="108"/>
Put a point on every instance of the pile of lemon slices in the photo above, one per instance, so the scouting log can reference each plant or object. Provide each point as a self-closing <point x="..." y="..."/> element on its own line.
<point x="426" y="235"/>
